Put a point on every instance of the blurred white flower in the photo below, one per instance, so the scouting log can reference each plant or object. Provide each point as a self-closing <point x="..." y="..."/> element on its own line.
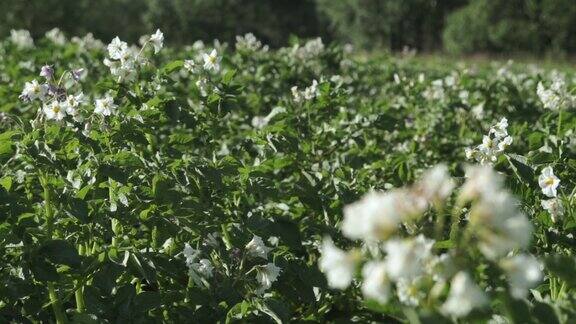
<point x="409" y="292"/>
<point x="256" y="248"/>
<point x="406" y="258"/>
<point x="554" y="207"/>
<point x="375" y="283"/>
<point x="266" y="276"/>
<point x="481" y="181"/>
<point x="157" y="40"/>
<point x="338" y="265"/>
<point x="191" y="66"/>
<point x="21" y="38"/>
<point x="436" y="184"/>
<point x="464" y="296"/>
<point x="548" y="182"/>
<point x="524" y="271"/>
<point x="203" y="267"/>
<point x="56" y="36"/>
<point x="372" y="218"/>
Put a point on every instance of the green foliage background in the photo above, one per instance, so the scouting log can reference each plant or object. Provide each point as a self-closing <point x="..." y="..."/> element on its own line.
<point x="457" y="26"/>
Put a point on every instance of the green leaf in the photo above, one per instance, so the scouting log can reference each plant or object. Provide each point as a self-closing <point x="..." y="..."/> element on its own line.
<point x="172" y="66"/>
<point x="61" y="252"/>
<point x="6" y="182"/>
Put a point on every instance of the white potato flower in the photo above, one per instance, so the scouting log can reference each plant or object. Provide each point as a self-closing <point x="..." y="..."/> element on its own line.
<point x="464" y="296"/>
<point x="407" y="258"/>
<point x="117" y="49"/>
<point x="256" y="248"/>
<point x="436" y="184"/>
<point x="21" y="38"/>
<point x="548" y="182"/>
<point x="554" y="207"/>
<point x="372" y="218"/>
<point x="34" y="90"/>
<point x="408" y="291"/>
<point x="105" y="106"/>
<point x="376" y="284"/>
<point x="266" y="275"/>
<point x="56" y="36"/>
<point x="54" y="110"/>
<point x="203" y="267"/>
<point x="481" y="181"/>
<point x="211" y="61"/>
<point x="338" y="265"/>
<point x="157" y="40"/>
<point x="524" y="271"/>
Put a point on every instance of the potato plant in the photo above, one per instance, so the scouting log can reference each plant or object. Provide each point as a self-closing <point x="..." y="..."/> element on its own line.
<point x="237" y="183"/>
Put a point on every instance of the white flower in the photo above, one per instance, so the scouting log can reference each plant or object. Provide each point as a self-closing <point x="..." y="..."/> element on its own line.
<point x="376" y="284"/>
<point x="72" y="103"/>
<point x="202" y="85"/>
<point x="406" y="259"/>
<point x="492" y="145"/>
<point x="211" y="61"/>
<point x="105" y="106"/>
<point x="266" y="276"/>
<point x="157" y="40"/>
<point x="21" y="38"/>
<point x="548" y="182"/>
<point x="524" y="272"/>
<point x="203" y="267"/>
<point x="436" y="184"/>
<point x="190" y="254"/>
<point x="338" y="265"/>
<point x="551" y="98"/>
<point x="190" y="65"/>
<point x="311" y="92"/>
<point x="56" y="36"/>
<point x="554" y="207"/>
<point x="372" y="218"/>
<point x="464" y="296"/>
<point x="256" y="248"/>
<point x="481" y="181"/>
<point x="117" y="49"/>
<point x="409" y="292"/>
<point x="54" y="110"/>
<point x="34" y="90"/>
<point x="296" y="94"/>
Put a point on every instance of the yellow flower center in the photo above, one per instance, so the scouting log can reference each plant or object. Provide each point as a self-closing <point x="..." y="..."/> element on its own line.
<point x="549" y="181"/>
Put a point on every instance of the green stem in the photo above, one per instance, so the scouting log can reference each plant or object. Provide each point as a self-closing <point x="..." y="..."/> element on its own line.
<point x="79" y="294"/>
<point x="54" y="300"/>
<point x="559" y="126"/>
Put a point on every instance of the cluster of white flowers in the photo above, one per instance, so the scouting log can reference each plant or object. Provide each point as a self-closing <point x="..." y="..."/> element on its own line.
<point x="408" y="266"/>
<point x="492" y="145"/>
<point x="123" y="60"/>
<point x="549" y="184"/>
<point x="309" y="93"/>
<point x="198" y="269"/>
<point x="499" y="225"/>
<point x="556" y="95"/>
<point x="88" y="42"/>
<point x="56" y="36"/>
<point x="210" y="63"/>
<point x="266" y="274"/>
<point x="312" y="49"/>
<point x="21" y="38"/>
<point x="249" y="43"/>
